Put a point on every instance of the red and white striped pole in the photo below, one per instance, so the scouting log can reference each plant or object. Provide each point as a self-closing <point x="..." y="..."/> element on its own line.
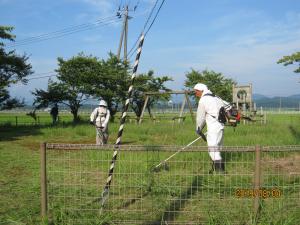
<point x="105" y="192"/>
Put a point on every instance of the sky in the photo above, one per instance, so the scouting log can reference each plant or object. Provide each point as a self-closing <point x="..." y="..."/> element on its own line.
<point x="243" y="40"/>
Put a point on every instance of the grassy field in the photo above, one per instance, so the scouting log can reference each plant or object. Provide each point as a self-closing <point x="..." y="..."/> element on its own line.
<point x="19" y="165"/>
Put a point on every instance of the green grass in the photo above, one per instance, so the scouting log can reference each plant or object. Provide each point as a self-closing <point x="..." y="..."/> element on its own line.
<point x="19" y="177"/>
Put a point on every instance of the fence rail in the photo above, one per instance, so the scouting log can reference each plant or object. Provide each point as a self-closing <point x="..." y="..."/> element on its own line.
<point x="24" y="120"/>
<point x="19" y="118"/>
<point x="261" y="184"/>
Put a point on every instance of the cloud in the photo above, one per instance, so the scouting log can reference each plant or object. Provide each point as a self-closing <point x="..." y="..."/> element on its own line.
<point x="105" y="7"/>
<point x="248" y="56"/>
<point x="229" y="21"/>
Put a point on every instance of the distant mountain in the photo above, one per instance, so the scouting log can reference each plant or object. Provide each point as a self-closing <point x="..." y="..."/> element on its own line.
<point x="292" y="101"/>
<point x="295" y="96"/>
<point x="258" y="96"/>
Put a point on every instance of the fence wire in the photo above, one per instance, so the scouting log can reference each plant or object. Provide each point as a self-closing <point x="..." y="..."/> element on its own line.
<point x="182" y="191"/>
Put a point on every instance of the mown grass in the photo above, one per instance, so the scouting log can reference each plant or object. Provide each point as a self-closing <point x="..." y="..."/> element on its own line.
<point x="19" y="165"/>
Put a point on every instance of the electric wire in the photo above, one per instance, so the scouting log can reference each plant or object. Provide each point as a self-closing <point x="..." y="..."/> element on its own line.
<point x="66" y="31"/>
<point x="137" y="4"/>
<point x="135" y="44"/>
<point x="155" y="17"/>
<point x="150" y="15"/>
<point x="40" y="74"/>
<point x="134" y="47"/>
<point x="117" y="78"/>
<point x="131" y="52"/>
<point x="41" y="77"/>
<point x="60" y="35"/>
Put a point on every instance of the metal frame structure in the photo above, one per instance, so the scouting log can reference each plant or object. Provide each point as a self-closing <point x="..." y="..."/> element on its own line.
<point x="185" y="100"/>
<point x="244" y="99"/>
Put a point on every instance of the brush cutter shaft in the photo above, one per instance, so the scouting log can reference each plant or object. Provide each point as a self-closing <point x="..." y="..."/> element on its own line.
<point x="171" y="156"/>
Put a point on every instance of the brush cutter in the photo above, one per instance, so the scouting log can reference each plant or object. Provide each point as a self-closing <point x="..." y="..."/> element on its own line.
<point x="163" y="163"/>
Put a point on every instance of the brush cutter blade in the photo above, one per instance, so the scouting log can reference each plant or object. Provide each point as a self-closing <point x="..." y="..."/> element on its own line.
<point x="163" y="166"/>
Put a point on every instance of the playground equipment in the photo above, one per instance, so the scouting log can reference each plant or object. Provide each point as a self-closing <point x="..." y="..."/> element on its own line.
<point x="242" y="99"/>
<point x="185" y="100"/>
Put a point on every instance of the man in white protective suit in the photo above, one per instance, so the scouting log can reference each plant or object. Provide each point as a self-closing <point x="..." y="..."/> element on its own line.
<point x="100" y="118"/>
<point x="208" y="113"/>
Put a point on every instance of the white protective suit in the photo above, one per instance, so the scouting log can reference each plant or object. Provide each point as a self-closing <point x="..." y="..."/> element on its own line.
<point x="207" y="112"/>
<point x="100" y="117"/>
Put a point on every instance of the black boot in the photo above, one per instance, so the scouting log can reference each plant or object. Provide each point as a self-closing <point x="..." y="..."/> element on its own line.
<point x="218" y="166"/>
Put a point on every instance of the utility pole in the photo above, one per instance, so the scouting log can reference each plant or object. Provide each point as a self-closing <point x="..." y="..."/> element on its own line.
<point x="124" y="34"/>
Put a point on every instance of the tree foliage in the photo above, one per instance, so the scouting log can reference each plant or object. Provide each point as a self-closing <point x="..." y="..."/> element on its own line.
<point x="291" y="59"/>
<point x="82" y="77"/>
<point x="13" y="68"/>
<point x="69" y="90"/>
<point x="63" y="93"/>
<point x="216" y="82"/>
<point x="148" y="83"/>
<point x="110" y="81"/>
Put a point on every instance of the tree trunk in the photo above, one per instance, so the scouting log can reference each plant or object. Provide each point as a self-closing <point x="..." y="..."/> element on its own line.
<point x="113" y="112"/>
<point x="74" y="111"/>
<point x="138" y="109"/>
<point x="149" y="111"/>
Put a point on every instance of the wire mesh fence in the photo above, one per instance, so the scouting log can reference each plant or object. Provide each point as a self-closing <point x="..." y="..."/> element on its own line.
<point x="261" y="184"/>
<point x="18" y="120"/>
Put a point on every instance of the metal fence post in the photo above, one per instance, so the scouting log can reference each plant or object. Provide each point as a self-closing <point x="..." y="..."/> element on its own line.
<point x="257" y="180"/>
<point x="43" y="180"/>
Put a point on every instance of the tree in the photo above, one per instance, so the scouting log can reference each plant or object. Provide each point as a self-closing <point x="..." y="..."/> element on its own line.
<point x="63" y="93"/>
<point x="110" y="82"/>
<point x="291" y="59"/>
<point x="148" y="83"/>
<point x="13" y="68"/>
<point x="69" y="89"/>
<point x="216" y="82"/>
<point x="82" y="77"/>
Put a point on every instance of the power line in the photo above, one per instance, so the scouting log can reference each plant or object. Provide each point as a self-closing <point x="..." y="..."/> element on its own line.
<point x="40" y="77"/>
<point x="148" y="18"/>
<point x="155" y="17"/>
<point x="150" y="15"/>
<point x="137" y="4"/>
<point x="58" y="35"/>
<point x="134" y="47"/>
<point x="107" y="77"/>
<point x="66" y="31"/>
<point x="41" y="74"/>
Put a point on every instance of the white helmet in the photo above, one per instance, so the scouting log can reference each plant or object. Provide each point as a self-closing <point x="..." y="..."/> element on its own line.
<point x="200" y="87"/>
<point x="102" y="103"/>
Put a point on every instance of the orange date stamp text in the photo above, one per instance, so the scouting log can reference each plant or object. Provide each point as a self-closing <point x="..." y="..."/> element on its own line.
<point x="261" y="193"/>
